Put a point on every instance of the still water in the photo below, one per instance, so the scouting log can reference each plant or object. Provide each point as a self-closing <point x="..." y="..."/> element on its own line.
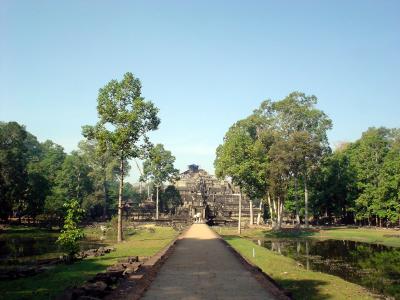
<point x="373" y="266"/>
<point x="19" y="249"/>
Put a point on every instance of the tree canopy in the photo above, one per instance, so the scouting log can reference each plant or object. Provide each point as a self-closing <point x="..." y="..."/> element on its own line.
<point x="125" y="118"/>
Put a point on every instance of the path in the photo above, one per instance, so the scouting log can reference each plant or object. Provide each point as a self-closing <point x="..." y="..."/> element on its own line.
<point x="201" y="267"/>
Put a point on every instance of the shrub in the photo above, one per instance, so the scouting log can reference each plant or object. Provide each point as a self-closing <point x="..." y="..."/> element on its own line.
<point x="71" y="233"/>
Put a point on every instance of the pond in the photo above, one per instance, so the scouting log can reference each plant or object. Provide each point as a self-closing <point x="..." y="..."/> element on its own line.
<point x="15" y="250"/>
<point x="373" y="266"/>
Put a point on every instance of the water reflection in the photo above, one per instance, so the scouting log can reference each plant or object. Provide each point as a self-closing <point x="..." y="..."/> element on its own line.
<point x="27" y="248"/>
<point x="374" y="266"/>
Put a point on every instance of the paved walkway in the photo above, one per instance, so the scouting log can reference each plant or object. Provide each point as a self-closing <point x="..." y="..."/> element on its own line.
<point x="201" y="267"/>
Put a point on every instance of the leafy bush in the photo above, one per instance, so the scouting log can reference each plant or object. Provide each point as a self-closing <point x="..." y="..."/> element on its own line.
<point x="71" y="233"/>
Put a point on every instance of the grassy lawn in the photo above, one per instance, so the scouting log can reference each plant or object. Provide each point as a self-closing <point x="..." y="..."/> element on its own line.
<point x="14" y="231"/>
<point x="141" y="242"/>
<point x="387" y="237"/>
<point x="302" y="283"/>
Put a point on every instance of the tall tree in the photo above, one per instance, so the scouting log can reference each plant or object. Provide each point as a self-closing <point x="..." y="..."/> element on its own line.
<point x="281" y="140"/>
<point x="104" y="168"/>
<point x="125" y="118"/>
<point x="389" y="185"/>
<point x="38" y="186"/>
<point x="159" y="168"/>
<point x="243" y="158"/>
<point x="72" y="182"/>
<point x="298" y="120"/>
<point x="13" y="173"/>
<point x="367" y="156"/>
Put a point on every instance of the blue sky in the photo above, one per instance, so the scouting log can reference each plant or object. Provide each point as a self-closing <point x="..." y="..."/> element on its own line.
<point x="205" y="64"/>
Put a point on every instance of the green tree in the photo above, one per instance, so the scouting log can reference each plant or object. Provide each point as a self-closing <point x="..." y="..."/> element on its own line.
<point x="125" y="118"/>
<point x="305" y="127"/>
<point x="72" y="182"/>
<point x="38" y="186"/>
<point x="334" y="187"/>
<point x="51" y="161"/>
<point x="159" y="168"/>
<point x="280" y="141"/>
<point x="103" y="169"/>
<point x="71" y="233"/>
<point x="170" y="199"/>
<point x="13" y="172"/>
<point x="243" y="157"/>
<point x="389" y="185"/>
<point x="366" y="157"/>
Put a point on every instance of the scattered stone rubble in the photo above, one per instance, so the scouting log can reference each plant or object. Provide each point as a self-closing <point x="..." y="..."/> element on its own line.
<point x="95" y="252"/>
<point x="103" y="283"/>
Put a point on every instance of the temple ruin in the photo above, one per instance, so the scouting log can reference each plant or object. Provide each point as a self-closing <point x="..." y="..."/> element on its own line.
<point x="215" y="201"/>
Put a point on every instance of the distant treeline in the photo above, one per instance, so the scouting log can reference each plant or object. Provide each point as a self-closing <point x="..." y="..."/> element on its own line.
<point x="360" y="182"/>
<point x="36" y="179"/>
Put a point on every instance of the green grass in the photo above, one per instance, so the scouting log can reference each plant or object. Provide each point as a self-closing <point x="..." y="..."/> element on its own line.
<point x="47" y="285"/>
<point x="301" y="283"/>
<point x="21" y="231"/>
<point x="387" y="237"/>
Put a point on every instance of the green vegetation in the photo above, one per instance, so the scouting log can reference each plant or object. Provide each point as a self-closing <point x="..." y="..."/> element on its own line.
<point x="279" y="144"/>
<point x="159" y="167"/>
<point x="145" y="242"/>
<point x="14" y="231"/>
<point x="71" y="233"/>
<point x="36" y="179"/>
<point x="385" y="237"/>
<point x="125" y="119"/>
<point x="303" y="284"/>
<point x="280" y="154"/>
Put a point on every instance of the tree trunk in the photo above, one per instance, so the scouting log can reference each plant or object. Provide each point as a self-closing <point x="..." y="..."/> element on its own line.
<point x="271" y="210"/>
<point x="305" y="202"/>
<point x="148" y="190"/>
<point x="259" y="214"/>
<point x="121" y="188"/>
<point x="157" y="202"/>
<point x="105" y="190"/>
<point x="240" y="215"/>
<point x="297" y="203"/>
<point x="279" y="213"/>
<point x="251" y="212"/>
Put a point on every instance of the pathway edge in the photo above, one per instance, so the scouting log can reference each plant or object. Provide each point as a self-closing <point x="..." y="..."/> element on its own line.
<point x="263" y="278"/>
<point x="133" y="287"/>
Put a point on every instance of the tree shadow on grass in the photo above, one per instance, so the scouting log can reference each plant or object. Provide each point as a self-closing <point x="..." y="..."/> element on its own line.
<point x="304" y="289"/>
<point x="50" y="283"/>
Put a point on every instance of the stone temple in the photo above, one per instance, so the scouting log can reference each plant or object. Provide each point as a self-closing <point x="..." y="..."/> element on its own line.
<point x="215" y="200"/>
<point x="205" y="198"/>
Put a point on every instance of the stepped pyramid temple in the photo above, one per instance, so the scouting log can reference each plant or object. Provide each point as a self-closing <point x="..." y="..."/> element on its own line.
<point x="204" y="198"/>
<point x="214" y="201"/>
